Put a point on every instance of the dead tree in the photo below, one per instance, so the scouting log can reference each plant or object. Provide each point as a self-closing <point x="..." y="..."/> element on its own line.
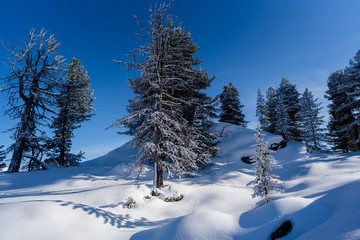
<point x="36" y="71"/>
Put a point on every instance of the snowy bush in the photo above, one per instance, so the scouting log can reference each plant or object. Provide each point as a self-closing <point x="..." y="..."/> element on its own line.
<point x="130" y="203"/>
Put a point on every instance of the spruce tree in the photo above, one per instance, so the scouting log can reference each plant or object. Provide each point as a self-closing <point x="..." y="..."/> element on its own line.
<point x="271" y="110"/>
<point x="231" y="108"/>
<point x="162" y="132"/>
<point x="198" y="108"/>
<point x="288" y="101"/>
<point x="264" y="182"/>
<point x="74" y="105"/>
<point x="351" y="86"/>
<point x="262" y="110"/>
<point x="2" y="157"/>
<point x="36" y="70"/>
<point x="283" y="125"/>
<point x="312" y="131"/>
<point x="341" y="115"/>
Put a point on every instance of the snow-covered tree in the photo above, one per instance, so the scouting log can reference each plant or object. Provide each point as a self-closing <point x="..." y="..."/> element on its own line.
<point x="74" y="105"/>
<point x="162" y="133"/>
<point x="231" y="108"/>
<point x="2" y="157"/>
<point x="283" y="125"/>
<point x="31" y="88"/>
<point x="271" y="110"/>
<point x="264" y="182"/>
<point x="262" y="110"/>
<point x="341" y="115"/>
<point x="287" y="98"/>
<point x="351" y="86"/>
<point x="312" y="131"/>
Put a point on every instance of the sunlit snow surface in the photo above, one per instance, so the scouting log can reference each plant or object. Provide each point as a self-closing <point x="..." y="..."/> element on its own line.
<point x="321" y="197"/>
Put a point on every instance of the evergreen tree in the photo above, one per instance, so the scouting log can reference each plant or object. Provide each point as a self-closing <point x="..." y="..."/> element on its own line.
<point x="283" y="125"/>
<point x="271" y="110"/>
<point x="341" y="115"/>
<point x="162" y="133"/>
<point x="264" y="182"/>
<point x="2" y="157"/>
<point x="231" y="108"/>
<point x="288" y="100"/>
<point x="74" y="107"/>
<point x="31" y="86"/>
<point x="198" y="109"/>
<point x="262" y="110"/>
<point x="311" y="123"/>
<point x="351" y="86"/>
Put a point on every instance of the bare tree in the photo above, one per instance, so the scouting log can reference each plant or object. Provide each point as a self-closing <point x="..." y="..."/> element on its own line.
<point x="36" y="70"/>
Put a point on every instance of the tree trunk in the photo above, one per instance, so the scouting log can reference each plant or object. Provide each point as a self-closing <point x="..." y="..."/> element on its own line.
<point x="14" y="165"/>
<point x="19" y="147"/>
<point x="158" y="174"/>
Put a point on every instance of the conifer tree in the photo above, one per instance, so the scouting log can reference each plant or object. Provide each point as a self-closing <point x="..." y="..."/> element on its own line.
<point x="271" y="110"/>
<point x="231" y="108"/>
<point x="74" y="105"/>
<point x="264" y="182"/>
<point x="262" y="110"/>
<point x="288" y="101"/>
<point x="162" y="133"/>
<point x="341" y="115"/>
<point x="31" y="86"/>
<point x="283" y="125"/>
<point x="2" y="157"/>
<point x="198" y="108"/>
<point x="311" y="123"/>
<point x="351" y="86"/>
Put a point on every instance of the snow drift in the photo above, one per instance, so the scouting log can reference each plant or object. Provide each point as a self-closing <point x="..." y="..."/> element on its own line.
<point x="320" y="197"/>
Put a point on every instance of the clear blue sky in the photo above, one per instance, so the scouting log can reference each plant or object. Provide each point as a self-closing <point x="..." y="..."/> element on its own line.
<point x="249" y="43"/>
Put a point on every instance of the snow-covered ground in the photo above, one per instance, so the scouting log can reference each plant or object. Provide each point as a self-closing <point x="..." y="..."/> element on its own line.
<point x="321" y="198"/>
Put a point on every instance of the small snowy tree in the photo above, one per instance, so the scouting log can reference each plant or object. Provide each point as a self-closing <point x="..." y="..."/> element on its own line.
<point x="264" y="182"/>
<point x="31" y="86"/>
<point x="2" y="157"/>
<point x="262" y="110"/>
<point x="231" y="108"/>
<point x="311" y="123"/>
<point x="74" y="107"/>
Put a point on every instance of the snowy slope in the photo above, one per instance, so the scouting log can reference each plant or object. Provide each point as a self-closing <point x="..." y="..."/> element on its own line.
<point x="321" y="197"/>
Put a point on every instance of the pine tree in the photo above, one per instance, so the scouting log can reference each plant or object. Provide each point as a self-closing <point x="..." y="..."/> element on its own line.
<point x="231" y="108"/>
<point x="265" y="182"/>
<point x="74" y="107"/>
<point x="311" y="123"/>
<point x="288" y="100"/>
<point x="2" y="157"/>
<point x="351" y="86"/>
<point x="262" y="110"/>
<point x="283" y="125"/>
<point x="31" y="86"/>
<point x="271" y="110"/>
<point x="162" y="133"/>
<point x="341" y="115"/>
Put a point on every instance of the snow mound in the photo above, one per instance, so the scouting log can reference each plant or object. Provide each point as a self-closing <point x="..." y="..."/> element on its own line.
<point x="320" y="197"/>
<point x="209" y="225"/>
<point x="121" y="155"/>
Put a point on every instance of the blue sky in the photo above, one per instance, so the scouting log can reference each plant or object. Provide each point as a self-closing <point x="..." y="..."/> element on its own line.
<point x="252" y="44"/>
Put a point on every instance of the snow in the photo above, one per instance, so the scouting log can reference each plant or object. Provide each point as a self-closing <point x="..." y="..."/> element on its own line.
<point x="320" y="197"/>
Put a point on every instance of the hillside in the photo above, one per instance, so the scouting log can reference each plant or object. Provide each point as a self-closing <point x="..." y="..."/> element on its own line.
<point x="321" y="198"/>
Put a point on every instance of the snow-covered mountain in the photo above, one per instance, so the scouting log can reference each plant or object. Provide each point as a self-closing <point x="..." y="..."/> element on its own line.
<point x="321" y="198"/>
